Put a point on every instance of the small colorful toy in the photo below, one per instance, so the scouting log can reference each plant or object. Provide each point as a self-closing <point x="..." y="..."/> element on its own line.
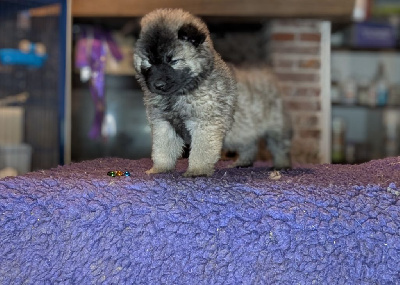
<point x="111" y="173"/>
<point x="118" y="173"/>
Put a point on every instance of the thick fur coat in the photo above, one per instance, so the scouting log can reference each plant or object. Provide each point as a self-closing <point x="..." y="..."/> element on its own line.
<point x="193" y="97"/>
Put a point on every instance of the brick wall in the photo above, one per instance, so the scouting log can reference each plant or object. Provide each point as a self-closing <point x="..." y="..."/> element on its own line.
<point x="299" y="54"/>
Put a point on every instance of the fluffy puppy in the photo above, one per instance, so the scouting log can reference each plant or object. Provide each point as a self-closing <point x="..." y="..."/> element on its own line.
<point x="193" y="97"/>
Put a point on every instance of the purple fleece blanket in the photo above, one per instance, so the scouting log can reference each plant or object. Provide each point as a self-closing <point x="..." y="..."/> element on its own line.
<point x="317" y="224"/>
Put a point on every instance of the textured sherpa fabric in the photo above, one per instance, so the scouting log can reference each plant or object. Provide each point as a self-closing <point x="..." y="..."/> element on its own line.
<point x="317" y="224"/>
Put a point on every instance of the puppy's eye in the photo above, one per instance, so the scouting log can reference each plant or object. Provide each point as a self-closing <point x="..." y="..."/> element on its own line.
<point x="175" y="61"/>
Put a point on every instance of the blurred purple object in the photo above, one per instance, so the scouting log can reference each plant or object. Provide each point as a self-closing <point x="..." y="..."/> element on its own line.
<point x="81" y="51"/>
<point x="112" y="46"/>
<point x="91" y="51"/>
<point x="97" y="65"/>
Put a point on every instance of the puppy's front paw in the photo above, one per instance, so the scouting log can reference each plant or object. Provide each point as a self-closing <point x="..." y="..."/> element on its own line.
<point x="150" y="171"/>
<point x="198" y="172"/>
<point x="154" y="170"/>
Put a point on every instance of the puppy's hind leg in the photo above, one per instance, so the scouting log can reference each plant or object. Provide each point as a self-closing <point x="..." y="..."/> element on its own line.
<point x="247" y="154"/>
<point x="166" y="149"/>
<point x="279" y="144"/>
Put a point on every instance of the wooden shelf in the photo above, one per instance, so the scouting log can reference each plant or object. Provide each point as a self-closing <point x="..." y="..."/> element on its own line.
<point x="248" y="8"/>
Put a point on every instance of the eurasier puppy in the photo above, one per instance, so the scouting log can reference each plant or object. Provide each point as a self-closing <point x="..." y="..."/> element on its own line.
<point x="193" y="97"/>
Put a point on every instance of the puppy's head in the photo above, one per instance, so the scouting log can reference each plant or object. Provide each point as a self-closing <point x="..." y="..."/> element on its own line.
<point x="174" y="52"/>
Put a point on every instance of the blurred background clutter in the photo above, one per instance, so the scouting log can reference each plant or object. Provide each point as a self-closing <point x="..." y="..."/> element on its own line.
<point x="365" y="76"/>
<point x="68" y="92"/>
<point x="32" y="84"/>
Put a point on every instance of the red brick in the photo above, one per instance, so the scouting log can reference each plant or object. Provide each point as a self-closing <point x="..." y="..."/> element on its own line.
<point x="310" y="134"/>
<point x="275" y="48"/>
<point x="296" y="105"/>
<point x="307" y="92"/>
<point x="292" y="76"/>
<point x="305" y="121"/>
<point x="295" y="91"/>
<point x="305" y="150"/>
<point x="284" y="63"/>
<point x="311" y="37"/>
<point x="310" y="63"/>
<point x="283" y="37"/>
<point x="287" y="90"/>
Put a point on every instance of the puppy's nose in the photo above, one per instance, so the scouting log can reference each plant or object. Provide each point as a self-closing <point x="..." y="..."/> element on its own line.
<point x="159" y="84"/>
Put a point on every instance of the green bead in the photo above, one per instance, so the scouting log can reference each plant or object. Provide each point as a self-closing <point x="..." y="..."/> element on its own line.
<point x="111" y="173"/>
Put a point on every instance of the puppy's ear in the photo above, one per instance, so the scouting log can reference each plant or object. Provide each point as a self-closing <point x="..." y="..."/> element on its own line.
<point x="190" y="33"/>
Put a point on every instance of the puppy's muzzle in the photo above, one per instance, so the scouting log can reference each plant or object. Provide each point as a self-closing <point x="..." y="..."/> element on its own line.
<point x="160" y="85"/>
<point x="160" y="79"/>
